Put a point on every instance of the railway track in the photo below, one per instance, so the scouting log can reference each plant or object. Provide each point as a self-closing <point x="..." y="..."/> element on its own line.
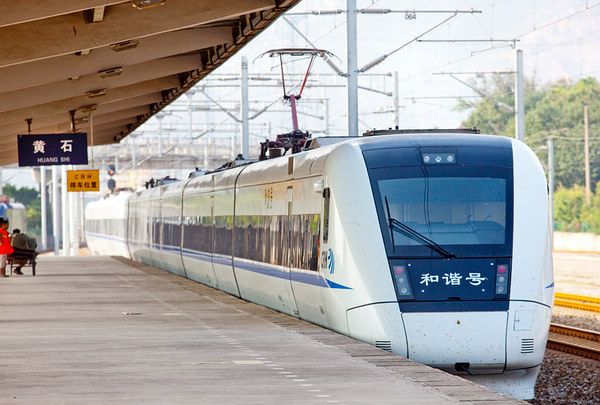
<point x="577" y="302"/>
<point x="580" y="342"/>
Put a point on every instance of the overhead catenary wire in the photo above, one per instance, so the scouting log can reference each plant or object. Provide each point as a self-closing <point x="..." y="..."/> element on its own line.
<point x="477" y="53"/>
<point x="558" y="20"/>
<point x="368" y="10"/>
<point x="383" y="57"/>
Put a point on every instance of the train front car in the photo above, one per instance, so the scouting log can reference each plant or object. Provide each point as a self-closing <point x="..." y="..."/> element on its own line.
<point x="448" y="254"/>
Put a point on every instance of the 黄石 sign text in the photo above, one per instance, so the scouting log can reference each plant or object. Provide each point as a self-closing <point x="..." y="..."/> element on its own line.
<point x="52" y="149"/>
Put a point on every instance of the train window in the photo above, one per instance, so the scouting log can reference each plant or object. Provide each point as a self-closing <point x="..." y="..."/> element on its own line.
<point x="171" y="232"/>
<point x="156" y="231"/>
<point x="279" y="239"/>
<point x="197" y="234"/>
<point x="326" y="197"/>
<point x="223" y="232"/>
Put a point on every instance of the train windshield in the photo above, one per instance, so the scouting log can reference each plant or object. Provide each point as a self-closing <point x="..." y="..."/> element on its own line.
<point x="444" y="211"/>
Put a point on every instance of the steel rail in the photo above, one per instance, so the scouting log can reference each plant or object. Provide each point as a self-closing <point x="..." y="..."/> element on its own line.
<point x="577" y="302"/>
<point x="580" y="342"/>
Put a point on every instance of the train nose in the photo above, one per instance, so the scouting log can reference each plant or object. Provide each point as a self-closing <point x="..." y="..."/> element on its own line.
<point x="444" y="340"/>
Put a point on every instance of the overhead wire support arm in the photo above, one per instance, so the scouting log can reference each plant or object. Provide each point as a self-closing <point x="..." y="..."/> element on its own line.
<point x="439" y="97"/>
<point x="383" y="11"/>
<point x="383" y="57"/>
<point x="511" y="42"/>
<point x="385" y="93"/>
<point x="390" y="11"/>
<point x="318" y="12"/>
<point x="475" y="89"/>
<point x="491" y="72"/>
<point x="468" y="40"/>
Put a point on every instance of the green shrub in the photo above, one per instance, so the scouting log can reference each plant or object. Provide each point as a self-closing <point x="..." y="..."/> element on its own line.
<point x="572" y="214"/>
<point x="569" y="207"/>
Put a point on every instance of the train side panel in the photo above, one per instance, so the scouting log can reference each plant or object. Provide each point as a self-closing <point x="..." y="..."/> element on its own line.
<point x="170" y="228"/>
<point x="532" y="284"/>
<point x="310" y="280"/>
<point x="155" y="237"/>
<point x="262" y="246"/>
<point x="223" y="214"/>
<point x="197" y="239"/>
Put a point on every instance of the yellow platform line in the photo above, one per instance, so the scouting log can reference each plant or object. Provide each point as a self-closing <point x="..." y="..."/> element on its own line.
<point x="585" y="306"/>
<point x="574" y="297"/>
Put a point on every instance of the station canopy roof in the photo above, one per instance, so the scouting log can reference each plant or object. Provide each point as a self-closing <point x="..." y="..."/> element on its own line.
<point x="118" y="59"/>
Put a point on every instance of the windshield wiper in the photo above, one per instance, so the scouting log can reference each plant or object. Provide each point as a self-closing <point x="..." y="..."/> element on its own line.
<point x="404" y="229"/>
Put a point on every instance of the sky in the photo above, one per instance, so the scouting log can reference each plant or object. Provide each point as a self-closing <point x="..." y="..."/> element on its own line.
<point x="559" y="39"/>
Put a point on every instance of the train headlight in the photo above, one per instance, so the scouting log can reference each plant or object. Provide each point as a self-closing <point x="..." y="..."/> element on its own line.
<point x="438" y="158"/>
<point x="402" y="281"/>
<point x="502" y="279"/>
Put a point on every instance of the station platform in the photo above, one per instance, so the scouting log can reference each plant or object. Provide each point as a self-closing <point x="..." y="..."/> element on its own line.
<point x="105" y="329"/>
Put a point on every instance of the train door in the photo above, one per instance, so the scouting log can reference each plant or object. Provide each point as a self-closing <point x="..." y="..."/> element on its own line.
<point x="144" y="210"/>
<point x="170" y="246"/>
<point x="209" y="223"/>
<point x="130" y="222"/>
<point x="156" y="229"/>
<point x="223" y="219"/>
<point x="197" y="240"/>
<point x="304" y="233"/>
<point x="290" y="250"/>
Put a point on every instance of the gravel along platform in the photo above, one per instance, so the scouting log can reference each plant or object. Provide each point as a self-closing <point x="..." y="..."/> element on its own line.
<point x="577" y="318"/>
<point x="567" y="379"/>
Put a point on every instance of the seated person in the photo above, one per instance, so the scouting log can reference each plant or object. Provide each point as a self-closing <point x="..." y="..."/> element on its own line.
<point x="24" y="247"/>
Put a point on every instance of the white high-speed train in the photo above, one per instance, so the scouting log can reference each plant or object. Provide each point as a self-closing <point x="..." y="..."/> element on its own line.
<point x="432" y="246"/>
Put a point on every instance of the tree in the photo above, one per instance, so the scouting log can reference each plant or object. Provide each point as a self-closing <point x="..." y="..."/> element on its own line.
<point x="31" y="199"/>
<point x="495" y="112"/>
<point x="569" y="206"/>
<point x="555" y="110"/>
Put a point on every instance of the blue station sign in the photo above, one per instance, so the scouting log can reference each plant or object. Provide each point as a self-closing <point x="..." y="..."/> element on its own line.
<point x="52" y="149"/>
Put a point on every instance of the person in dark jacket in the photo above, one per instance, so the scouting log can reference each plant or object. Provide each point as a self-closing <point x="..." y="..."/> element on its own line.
<point x="24" y="247"/>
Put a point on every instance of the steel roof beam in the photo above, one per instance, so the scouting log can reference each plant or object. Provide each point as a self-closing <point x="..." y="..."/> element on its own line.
<point x="118" y="94"/>
<point x="49" y="93"/>
<point x="22" y="11"/>
<point x="63" y="67"/>
<point x="69" y="33"/>
<point x="61" y="122"/>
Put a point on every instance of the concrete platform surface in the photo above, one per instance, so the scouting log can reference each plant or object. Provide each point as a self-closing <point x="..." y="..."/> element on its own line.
<point x="91" y="330"/>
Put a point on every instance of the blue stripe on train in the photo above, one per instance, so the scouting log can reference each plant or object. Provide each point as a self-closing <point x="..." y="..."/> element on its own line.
<point x="255" y="267"/>
<point x="279" y="272"/>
